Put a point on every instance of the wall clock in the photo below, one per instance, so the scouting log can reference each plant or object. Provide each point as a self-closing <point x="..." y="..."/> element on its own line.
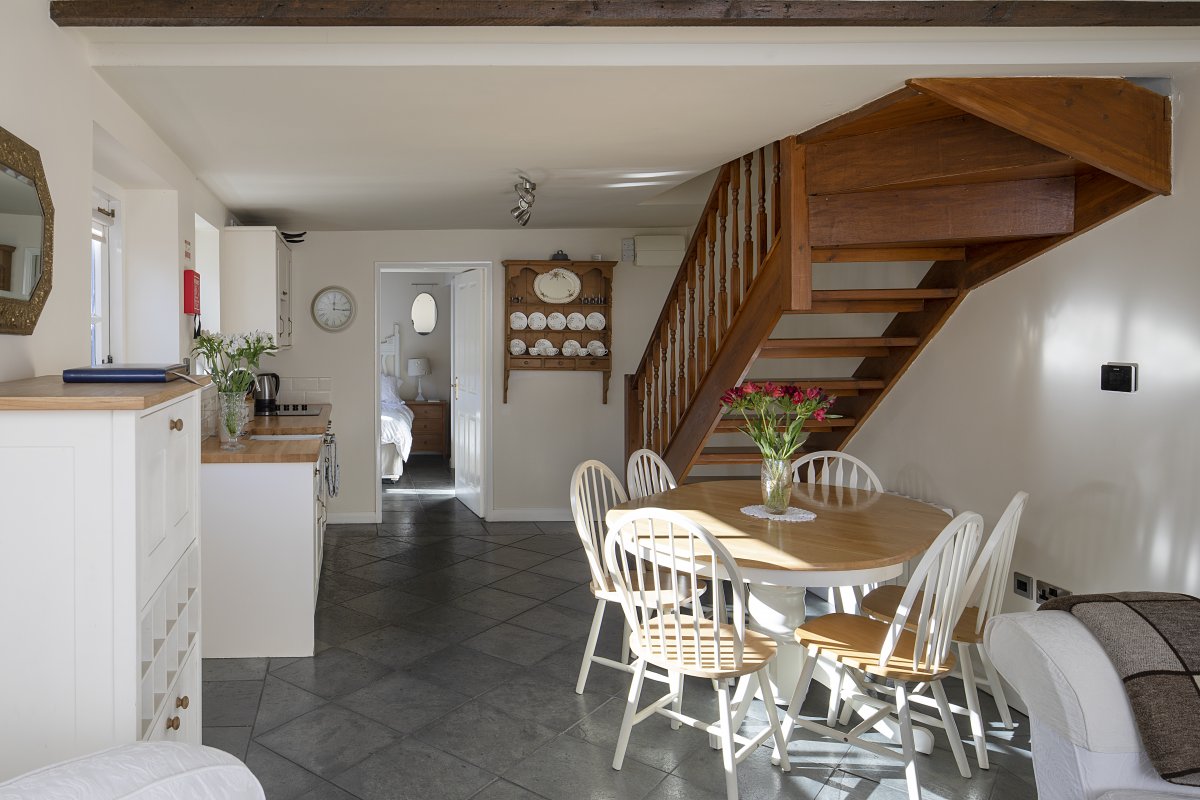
<point x="333" y="308"/>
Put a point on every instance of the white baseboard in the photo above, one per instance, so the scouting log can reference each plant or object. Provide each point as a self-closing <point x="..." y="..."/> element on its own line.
<point x="529" y="515"/>
<point x="353" y="517"/>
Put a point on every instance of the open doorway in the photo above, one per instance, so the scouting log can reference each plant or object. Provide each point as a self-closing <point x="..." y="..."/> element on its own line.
<point x="433" y="326"/>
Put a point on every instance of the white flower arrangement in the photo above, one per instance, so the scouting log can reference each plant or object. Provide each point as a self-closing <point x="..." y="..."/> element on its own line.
<point x="232" y="359"/>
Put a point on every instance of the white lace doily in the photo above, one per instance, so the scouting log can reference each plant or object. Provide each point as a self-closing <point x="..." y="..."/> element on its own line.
<point x="793" y="514"/>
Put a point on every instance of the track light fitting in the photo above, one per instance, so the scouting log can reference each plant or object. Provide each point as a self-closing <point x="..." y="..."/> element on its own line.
<point x="522" y="211"/>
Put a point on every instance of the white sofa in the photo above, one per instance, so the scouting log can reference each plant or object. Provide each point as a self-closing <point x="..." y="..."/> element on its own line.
<point x="1085" y="742"/>
<point x="145" y="771"/>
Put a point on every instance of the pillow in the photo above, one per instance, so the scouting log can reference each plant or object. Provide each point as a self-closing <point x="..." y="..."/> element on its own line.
<point x="388" y="384"/>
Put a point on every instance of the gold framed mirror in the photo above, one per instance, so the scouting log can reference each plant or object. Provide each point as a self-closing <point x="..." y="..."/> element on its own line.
<point x="26" y="236"/>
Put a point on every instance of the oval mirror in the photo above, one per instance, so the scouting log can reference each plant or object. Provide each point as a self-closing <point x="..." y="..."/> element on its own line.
<point x="424" y="313"/>
<point x="26" y="235"/>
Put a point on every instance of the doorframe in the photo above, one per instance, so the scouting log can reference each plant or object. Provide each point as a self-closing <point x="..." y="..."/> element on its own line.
<point x="487" y="343"/>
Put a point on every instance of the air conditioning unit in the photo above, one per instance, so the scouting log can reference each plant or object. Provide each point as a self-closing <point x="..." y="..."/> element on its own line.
<point x="657" y="251"/>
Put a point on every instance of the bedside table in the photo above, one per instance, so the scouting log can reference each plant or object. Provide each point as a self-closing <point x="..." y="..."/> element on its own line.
<point x="429" y="427"/>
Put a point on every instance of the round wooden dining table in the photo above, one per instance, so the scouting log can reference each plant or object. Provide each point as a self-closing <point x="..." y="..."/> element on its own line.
<point x="858" y="536"/>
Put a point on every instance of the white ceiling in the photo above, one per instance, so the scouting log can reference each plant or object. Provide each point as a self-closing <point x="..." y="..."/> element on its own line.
<point x="400" y="129"/>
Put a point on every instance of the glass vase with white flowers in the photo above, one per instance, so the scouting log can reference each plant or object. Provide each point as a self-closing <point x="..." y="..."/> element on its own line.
<point x="232" y="361"/>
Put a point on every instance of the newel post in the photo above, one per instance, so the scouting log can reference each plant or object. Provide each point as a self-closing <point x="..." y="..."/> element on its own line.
<point x="796" y="274"/>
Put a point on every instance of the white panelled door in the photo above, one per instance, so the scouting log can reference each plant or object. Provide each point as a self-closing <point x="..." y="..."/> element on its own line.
<point x="467" y="402"/>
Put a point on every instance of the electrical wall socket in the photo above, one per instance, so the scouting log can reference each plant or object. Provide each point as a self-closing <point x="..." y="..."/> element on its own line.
<point x="1048" y="591"/>
<point x="1022" y="585"/>
<point x="628" y="251"/>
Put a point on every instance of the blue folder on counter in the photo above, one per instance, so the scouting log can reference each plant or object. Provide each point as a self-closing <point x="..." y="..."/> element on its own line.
<point x="123" y="373"/>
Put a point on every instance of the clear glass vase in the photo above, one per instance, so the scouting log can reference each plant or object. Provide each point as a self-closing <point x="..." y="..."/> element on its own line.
<point x="233" y="414"/>
<point x="776" y="484"/>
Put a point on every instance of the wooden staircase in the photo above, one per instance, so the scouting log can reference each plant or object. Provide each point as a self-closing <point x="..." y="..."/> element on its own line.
<point x="900" y="208"/>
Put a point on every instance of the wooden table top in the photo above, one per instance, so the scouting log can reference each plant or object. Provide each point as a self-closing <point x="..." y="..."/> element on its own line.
<point x="50" y="393"/>
<point x="855" y="529"/>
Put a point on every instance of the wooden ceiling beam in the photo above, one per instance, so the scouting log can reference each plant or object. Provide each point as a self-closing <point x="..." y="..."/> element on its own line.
<point x="618" y="13"/>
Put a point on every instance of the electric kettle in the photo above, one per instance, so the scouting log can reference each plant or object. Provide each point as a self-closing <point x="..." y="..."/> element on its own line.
<point x="266" y="392"/>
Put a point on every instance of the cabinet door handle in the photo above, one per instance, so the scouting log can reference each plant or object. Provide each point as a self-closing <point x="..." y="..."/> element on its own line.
<point x="173" y="723"/>
<point x="182" y="702"/>
<point x="176" y="425"/>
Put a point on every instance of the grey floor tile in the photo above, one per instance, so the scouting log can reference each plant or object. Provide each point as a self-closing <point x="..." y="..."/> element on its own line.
<point x="503" y="790"/>
<point x="652" y="742"/>
<point x="512" y="528"/>
<point x="495" y="603"/>
<point x="234" y="669"/>
<point x="281" y="779"/>
<point x="326" y="791"/>
<point x="282" y="702"/>
<point x="382" y="573"/>
<point x="449" y="623"/>
<point x="412" y="770"/>
<point x="514" y="557"/>
<point x="846" y="786"/>
<point x="551" y="544"/>
<point x="438" y="587"/>
<point x="333" y="673"/>
<point x="403" y="701"/>
<point x="516" y="644"/>
<point x="337" y="624"/>
<point x="502" y="538"/>
<point x="558" y="620"/>
<point x="938" y="774"/>
<point x="329" y="740"/>
<point x="379" y="547"/>
<point x="564" y="527"/>
<point x="579" y="598"/>
<point x="478" y="572"/>
<point x="1010" y="787"/>
<point x="569" y="768"/>
<point x="530" y="584"/>
<point x="390" y="605"/>
<point x="757" y="778"/>
<point x="394" y="647"/>
<point x="569" y="569"/>
<point x="281" y="661"/>
<point x="338" y="587"/>
<point x="467" y="546"/>
<point x="676" y="788"/>
<point x="427" y="557"/>
<point x="230" y="703"/>
<point x="563" y="667"/>
<point x="486" y="736"/>
<point x="232" y="740"/>
<point x="554" y="705"/>
<point x="463" y="669"/>
<point x="344" y="558"/>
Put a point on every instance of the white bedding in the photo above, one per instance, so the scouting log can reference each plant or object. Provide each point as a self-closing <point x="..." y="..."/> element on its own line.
<point x="395" y="427"/>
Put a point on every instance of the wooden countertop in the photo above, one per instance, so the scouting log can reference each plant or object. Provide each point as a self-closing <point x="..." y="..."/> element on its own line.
<point x="261" y="451"/>
<point x="291" y="426"/>
<point x="49" y="393"/>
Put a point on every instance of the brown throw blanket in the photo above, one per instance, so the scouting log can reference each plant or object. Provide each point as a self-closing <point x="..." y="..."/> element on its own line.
<point x="1153" y="640"/>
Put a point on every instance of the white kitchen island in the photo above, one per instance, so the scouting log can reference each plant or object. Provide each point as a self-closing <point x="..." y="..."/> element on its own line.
<point x="261" y="525"/>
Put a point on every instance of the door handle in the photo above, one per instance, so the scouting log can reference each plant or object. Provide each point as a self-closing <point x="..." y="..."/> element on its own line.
<point x="455" y="387"/>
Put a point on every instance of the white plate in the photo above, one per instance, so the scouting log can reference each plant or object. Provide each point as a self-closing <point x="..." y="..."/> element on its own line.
<point x="556" y="321"/>
<point x="537" y="321"/>
<point x="595" y="321"/>
<point x="597" y="348"/>
<point x="571" y="347"/>
<point x="557" y="286"/>
<point x="543" y="345"/>
<point x="575" y="321"/>
<point x="516" y="347"/>
<point x="518" y="321"/>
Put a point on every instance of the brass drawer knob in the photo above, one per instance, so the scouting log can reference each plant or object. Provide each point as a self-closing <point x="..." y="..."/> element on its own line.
<point x="173" y="723"/>
<point x="176" y="424"/>
<point x="182" y="702"/>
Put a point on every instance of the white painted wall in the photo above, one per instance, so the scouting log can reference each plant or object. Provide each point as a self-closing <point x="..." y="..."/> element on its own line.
<point x="551" y="422"/>
<point x="153" y="289"/>
<point x="1007" y="397"/>
<point x="396" y="295"/>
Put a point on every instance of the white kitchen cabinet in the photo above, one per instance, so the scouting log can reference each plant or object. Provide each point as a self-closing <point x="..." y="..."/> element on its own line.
<point x="100" y="578"/>
<point x="256" y="277"/>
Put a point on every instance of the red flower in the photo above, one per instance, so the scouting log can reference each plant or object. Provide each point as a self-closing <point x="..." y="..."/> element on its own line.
<point x="730" y="397"/>
<point x="819" y="415"/>
<point x="749" y="388"/>
<point x="774" y="391"/>
<point x="813" y="393"/>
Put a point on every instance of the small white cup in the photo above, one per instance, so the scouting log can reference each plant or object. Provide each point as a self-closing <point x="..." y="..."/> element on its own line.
<point x="533" y="351"/>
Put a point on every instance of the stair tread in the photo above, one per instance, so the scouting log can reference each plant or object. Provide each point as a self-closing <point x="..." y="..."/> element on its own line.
<point x="731" y="455"/>
<point x="828" y="384"/>
<point x="852" y="341"/>
<point x="883" y="294"/>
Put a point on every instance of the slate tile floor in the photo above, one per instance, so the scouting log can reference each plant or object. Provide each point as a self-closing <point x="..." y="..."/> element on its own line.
<point x="446" y="667"/>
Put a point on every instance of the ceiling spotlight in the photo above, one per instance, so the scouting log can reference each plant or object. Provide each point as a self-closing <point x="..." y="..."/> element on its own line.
<point x="522" y="211"/>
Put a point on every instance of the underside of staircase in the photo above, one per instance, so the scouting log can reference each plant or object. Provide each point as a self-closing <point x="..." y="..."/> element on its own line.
<point x="831" y="258"/>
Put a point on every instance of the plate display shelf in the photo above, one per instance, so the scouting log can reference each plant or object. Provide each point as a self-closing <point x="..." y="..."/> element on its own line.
<point x="595" y="279"/>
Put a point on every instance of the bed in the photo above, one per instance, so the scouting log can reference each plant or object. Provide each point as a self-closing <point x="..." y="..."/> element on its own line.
<point x="395" y="418"/>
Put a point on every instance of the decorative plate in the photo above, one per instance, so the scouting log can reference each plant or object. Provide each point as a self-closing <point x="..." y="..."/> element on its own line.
<point x="516" y="347"/>
<point x="537" y="321"/>
<point x="518" y="321"/>
<point x="556" y="321"/>
<point x="575" y="321"/>
<point x="543" y="345"/>
<point x="557" y="286"/>
<point x="595" y="321"/>
<point x="597" y="348"/>
<point x="571" y="347"/>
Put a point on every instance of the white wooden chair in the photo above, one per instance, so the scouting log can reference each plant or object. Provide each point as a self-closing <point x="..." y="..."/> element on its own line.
<point x="985" y="593"/>
<point x="649" y="552"/>
<point x="648" y="474"/>
<point x="913" y="649"/>
<point x="834" y="468"/>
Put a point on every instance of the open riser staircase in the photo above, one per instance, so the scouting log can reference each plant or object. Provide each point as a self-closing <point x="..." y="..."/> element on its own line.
<point x="832" y="257"/>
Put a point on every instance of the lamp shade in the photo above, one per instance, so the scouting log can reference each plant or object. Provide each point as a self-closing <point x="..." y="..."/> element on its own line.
<point x="418" y="367"/>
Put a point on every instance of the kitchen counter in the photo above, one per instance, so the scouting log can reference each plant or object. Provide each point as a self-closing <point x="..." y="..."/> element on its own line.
<point x="262" y="451"/>
<point x="49" y="393"/>
<point x="291" y="426"/>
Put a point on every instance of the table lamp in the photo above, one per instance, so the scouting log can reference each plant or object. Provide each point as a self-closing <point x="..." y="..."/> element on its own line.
<point x="417" y="367"/>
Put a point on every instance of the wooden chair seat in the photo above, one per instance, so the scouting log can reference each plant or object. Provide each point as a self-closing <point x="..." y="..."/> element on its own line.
<point x="881" y="604"/>
<point x="609" y="591"/>
<point x="856" y="641"/>
<point x="663" y="650"/>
